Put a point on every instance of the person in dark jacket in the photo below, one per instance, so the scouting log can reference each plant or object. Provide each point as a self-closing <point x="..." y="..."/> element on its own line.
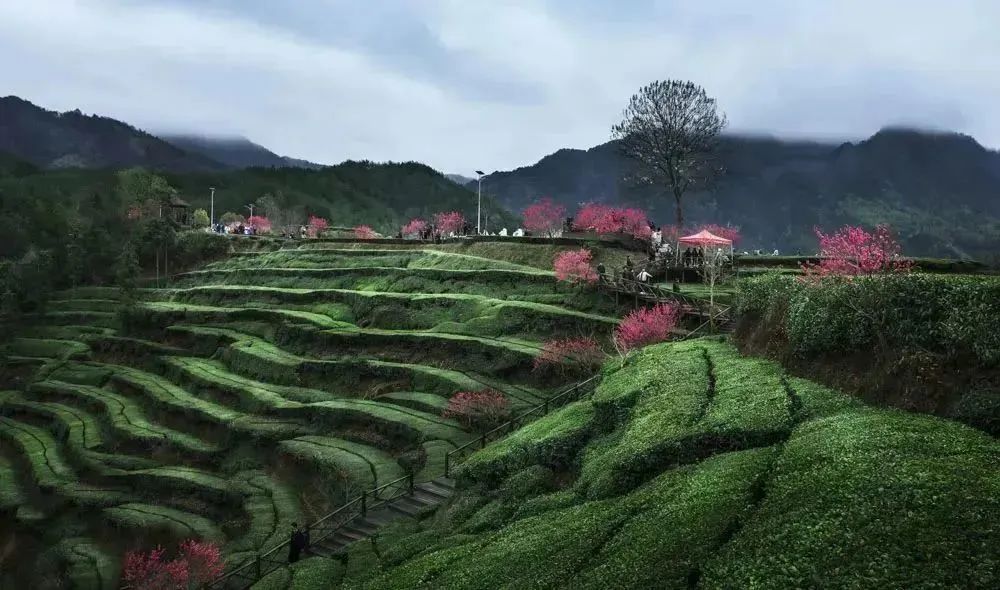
<point x="295" y="544"/>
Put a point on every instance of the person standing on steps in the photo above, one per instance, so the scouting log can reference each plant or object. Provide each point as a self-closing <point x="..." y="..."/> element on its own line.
<point x="295" y="544"/>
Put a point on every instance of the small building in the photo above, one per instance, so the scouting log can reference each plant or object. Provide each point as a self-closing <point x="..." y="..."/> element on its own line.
<point x="179" y="210"/>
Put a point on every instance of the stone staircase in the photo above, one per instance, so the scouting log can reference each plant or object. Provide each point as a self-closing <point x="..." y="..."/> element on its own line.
<point x="426" y="497"/>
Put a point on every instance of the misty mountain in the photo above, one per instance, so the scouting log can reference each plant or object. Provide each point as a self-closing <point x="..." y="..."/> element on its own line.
<point x="939" y="191"/>
<point x="235" y="152"/>
<point x="459" y="179"/>
<point x="49" y="139"/>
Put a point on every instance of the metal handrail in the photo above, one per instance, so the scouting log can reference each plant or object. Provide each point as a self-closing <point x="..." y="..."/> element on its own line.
<point x="264" y="563"/>
<point x="510" y="425"/>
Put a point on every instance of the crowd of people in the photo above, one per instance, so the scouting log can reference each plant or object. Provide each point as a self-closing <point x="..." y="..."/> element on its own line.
<point x="239" y="229"/>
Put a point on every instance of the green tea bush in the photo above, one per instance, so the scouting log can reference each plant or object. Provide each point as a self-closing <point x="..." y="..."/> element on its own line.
<point x="952" y="315"/>
<point x="552" y="440"/>
<point x="872" y="499"/>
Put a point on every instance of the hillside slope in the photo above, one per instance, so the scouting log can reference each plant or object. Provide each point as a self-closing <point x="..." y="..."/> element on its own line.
<point x="234" y="152"/>
<point x="73" y="140"/>
<point x="265" y="389"/>
<point x="939" y="190"/>
<point x="693" y="467"/>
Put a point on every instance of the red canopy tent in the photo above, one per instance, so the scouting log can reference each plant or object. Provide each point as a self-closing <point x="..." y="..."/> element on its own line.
<point x="705" y="238"/>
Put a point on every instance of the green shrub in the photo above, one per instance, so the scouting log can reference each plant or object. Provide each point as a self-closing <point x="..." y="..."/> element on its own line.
<point x="870" y="498"/>
<point x="552" y="440"/>
<point x="179" y="524"/>
<point x="953" y="315"/>
<point x="980" y="410"/>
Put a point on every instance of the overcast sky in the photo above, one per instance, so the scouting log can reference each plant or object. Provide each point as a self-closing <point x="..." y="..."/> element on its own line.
<point x="466" y="84"/>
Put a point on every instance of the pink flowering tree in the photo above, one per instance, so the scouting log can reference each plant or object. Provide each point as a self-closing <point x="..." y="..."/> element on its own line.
<point x="570" y="355"/>
<point x="414" y="227"/>
<point x="588" y="215"/>
<point x="196" y="564"/>
<point x="603" y="219"/>
<point x="259" y="223"/>
<point x="635" y="223"/>
<point x="645" y="326"/>
<point x="852" y="251"/>
<point x="204" y="561"/>
<point x="478" y="410"/>
<point x="364" y="232"/>
<point x="448" y="223"/>
<point x="544" y="216"/>
<point x="575" y="266"/>
<point x="317" y="225"/>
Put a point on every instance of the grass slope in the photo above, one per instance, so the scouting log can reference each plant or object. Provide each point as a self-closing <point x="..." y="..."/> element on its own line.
<point x="693" y="467"/>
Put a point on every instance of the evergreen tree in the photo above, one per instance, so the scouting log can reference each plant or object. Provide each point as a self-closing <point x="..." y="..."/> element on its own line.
<point x="127" y="272"/>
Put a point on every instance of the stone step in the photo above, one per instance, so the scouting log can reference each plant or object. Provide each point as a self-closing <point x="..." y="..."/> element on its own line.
<point x="438" y="490"/>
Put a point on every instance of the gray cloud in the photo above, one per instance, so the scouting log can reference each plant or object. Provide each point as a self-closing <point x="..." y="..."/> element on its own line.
<point x="462" y="85"/>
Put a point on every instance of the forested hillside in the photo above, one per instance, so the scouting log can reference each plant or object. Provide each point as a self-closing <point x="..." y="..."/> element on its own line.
<point x="234" y="152"/>
<point x="75" y="220"/>
<point x="940" y="191"/>
<point x="74" y="140"/>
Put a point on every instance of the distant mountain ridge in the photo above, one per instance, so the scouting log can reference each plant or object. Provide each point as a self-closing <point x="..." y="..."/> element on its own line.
<point x="50" y="139"/>
<point x="234" y="152"/>
<point x="940" y="191"/>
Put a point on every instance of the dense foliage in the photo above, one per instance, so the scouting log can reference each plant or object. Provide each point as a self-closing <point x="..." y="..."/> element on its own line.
<point x="694" y="467"/>
<point x="950" y="315"/>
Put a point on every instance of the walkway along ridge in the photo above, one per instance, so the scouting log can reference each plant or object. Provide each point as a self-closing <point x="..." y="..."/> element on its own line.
<point x="362" y="516"/>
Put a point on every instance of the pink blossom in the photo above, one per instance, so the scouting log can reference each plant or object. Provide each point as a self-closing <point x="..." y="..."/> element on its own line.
<point x="574" y="266"/>
<point x="364" y="232"/>
<point x="259" y="223"/>
<point x="414" y="227"/>
<point x="544" y="216"/>
<point x="609" y="220"/>
<point x="852" y="251"/>
<point x="448" y="223"/>
<point x="149" y="571"/>
<point x="317" y="225"/>
<point x="478" y="409"/>
<point x="582" y="352"/>
<point x="645" y="326"/>
<point x="204" y="560"/>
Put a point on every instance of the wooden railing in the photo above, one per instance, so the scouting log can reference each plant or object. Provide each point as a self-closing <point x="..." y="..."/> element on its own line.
<point x="250" y="572"/>
<point x="571" y="393"/>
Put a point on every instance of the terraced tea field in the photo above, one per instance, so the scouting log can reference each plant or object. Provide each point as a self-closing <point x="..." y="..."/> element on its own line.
<point x="262" y="390"/>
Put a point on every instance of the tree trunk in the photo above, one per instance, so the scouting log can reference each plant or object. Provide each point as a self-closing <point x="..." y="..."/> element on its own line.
<point x="678" y="211"/>
<point x="156" y="254"/>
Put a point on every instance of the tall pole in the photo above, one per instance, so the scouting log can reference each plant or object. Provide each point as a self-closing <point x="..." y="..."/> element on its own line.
<point x="479" y="204"/>
<point x="212" y="215"/>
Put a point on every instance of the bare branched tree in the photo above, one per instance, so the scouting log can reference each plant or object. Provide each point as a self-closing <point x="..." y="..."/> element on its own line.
<point x="671" y="129"/>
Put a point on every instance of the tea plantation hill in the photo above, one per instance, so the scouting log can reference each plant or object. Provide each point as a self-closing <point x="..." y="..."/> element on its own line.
<point x="694" y="467"/>
<point x="267" y="387"/>
<point x="260" y="390"/>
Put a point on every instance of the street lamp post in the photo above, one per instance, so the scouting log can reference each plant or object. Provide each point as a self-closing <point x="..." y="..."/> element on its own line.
<point x="479" y="204"/>
<point x="212" y="215"/>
